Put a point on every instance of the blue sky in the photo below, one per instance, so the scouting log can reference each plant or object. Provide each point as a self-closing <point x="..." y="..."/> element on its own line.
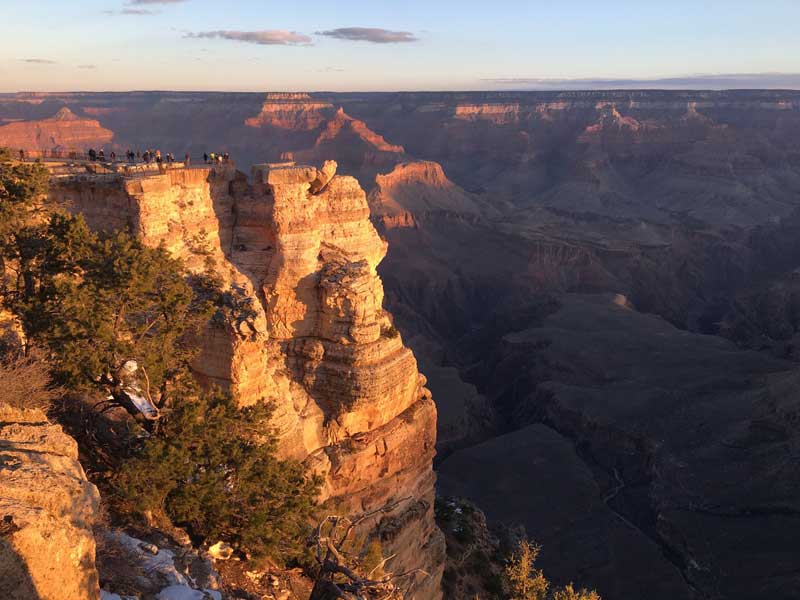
<point x="411" y="44"/>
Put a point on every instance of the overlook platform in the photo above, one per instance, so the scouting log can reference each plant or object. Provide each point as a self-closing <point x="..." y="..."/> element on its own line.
<point x="80" y="170"/>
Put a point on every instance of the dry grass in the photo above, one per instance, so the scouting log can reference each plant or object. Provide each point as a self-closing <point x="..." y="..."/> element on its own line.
<point x="25" y="383"/>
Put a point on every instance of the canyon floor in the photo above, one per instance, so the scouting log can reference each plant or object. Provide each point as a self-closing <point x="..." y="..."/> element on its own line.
<point x="600" y="288"/>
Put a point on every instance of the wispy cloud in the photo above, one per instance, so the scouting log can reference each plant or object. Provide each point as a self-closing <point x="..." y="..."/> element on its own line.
<point x="698" y="81"/>
<point x="131" y="11"/>
<point x="127" y="10"/>
<point x="374" y="35"/>
<point x="87" y="66"/>
<point x="272" y="37"/>
<point x="38" y="61"/>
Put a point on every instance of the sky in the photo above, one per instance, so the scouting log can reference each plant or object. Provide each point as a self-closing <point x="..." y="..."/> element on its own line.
<point x="376" y="45"/>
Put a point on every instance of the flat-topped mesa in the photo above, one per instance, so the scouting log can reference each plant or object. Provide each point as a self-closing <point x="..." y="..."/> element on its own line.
<point x="284" y="96"/>
<point x="291" y="111"/>
<point x="348" y="398"/>
<point x="499" y="114"/>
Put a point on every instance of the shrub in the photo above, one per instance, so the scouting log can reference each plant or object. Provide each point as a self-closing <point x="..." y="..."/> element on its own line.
<point x="526" y="582"/>
<point x="569" y="593"/>
<point x="373" y="563"/>
<point x="212" y="469"/>
<point x="25" y="383"/>
<point x="390" y="332"/>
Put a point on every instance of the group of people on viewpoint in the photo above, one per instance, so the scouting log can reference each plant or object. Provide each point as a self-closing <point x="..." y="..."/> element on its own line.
<point x="155" y="156"/>
<point x="216" y="157"/>
<point x="147" y="157"/>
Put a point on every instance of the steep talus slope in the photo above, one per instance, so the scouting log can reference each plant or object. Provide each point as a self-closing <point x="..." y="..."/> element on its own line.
<point x="47" y="508"/>
<point x="348" y="397"/>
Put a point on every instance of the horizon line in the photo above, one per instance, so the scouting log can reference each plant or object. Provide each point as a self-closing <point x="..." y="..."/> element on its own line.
<point x="406" y="91"/>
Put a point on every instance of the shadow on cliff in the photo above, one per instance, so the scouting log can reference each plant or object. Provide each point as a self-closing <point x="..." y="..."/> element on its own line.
<point x="304" y="354"/>
<point x="16" y="582"/>
<point x="248" y="242"/>
<point x="227" y="202"/>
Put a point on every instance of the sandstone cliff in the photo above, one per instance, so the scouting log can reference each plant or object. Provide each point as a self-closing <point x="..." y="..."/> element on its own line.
<point x="47" y="506"/>
<point x="299" y="246"/>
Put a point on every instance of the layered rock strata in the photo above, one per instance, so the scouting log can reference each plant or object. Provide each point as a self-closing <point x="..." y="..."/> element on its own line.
<point x="64" y="130"/>
<point x="348" y="397"/>
<point x="47" y="506"/>
<point x="294" y="111"/>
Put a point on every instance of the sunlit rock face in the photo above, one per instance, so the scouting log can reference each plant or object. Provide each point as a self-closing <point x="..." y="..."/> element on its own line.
<point x="349" y="399"/>
<point x="295" y="111"/>
<point x="62" y="131"/>
<point x="47" y="508"/>
<point x="415" y="189"/>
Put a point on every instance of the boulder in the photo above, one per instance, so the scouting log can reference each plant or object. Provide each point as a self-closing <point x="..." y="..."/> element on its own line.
<point x="47" y="508"/>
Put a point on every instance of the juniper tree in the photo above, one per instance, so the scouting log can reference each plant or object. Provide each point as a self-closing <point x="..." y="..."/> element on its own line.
<point x="213" y="470"/>
<point x="116" y="316"/>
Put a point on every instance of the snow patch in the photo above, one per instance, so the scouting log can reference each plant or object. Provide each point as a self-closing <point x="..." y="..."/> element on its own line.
<point x="161" y="562"/>
<point x="182" y="592"/>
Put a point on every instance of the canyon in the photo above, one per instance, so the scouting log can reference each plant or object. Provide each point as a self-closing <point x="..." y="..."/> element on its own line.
<point x="599" y="288"/>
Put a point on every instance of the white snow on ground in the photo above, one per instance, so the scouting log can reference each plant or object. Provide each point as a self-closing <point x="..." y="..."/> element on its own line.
<point x="182" y="592"/>
<point x="161" y="563"/>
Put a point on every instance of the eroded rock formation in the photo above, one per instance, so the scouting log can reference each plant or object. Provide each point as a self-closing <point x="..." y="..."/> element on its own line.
<point x="63" y="131"/>
<point x="349" y="398"/>
<point x="47" y="507"/>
